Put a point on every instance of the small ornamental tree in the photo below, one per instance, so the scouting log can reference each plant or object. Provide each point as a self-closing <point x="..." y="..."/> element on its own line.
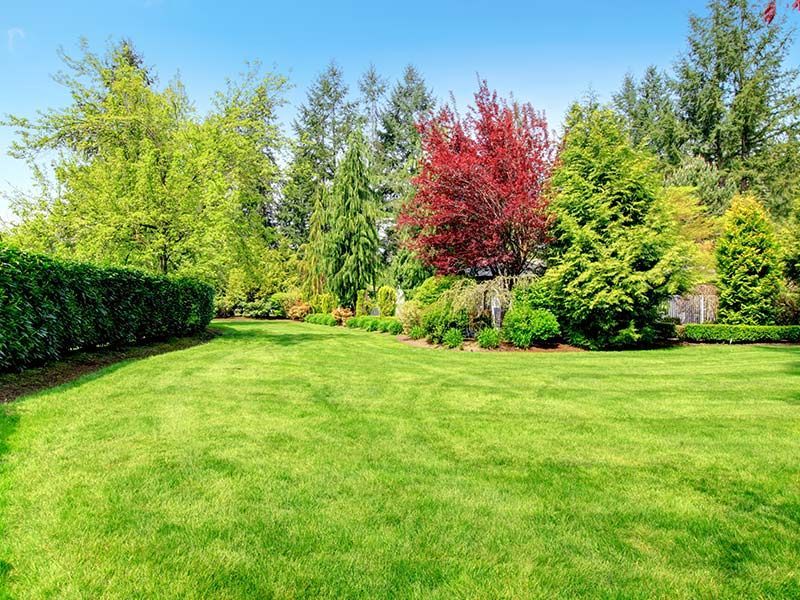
<point x="351" y="246"/>
<point x="748" y="265"/>
<point x="616" y="256"/>
<point x="479" y="201"/>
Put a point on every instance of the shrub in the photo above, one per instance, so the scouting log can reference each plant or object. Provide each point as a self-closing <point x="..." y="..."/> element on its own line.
<point x="342" y="315"/>
<point x="260" y="309"/>
<point x="323" y="303"/>
<point x="439" y="317"/>
<point x="416" y="332"/>
<point x="747" y="265"/>
<point x="740" y="334"/>
<point x="525" y="327"/>
<point x="393" y="326"/>
<point x="299" y="311"/>
<point x="453" y="338"/>
<point x="535" y="295"/>
<point x="488" y="338"/>
<point x="371" y="323"/>
<point x="283" y="301"/>
<point x="387" y="299"/>
<point x="50" y="307"/>
<point x="410" y="315"/>
<point x="321" y="319"/>
<point x="363" y="304"/>
<point x="432" y="289"/>
<point x="354" y="323"/>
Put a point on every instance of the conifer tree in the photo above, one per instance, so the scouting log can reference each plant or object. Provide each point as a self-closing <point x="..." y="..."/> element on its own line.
<point x="747" y="265"/>
<point x="616" y="256"/>
<point x="351" y="244"/>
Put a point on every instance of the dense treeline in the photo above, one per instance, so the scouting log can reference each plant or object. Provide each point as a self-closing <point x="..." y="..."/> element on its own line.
<point x="49" y="307"/>
<point x="384" y="186"/>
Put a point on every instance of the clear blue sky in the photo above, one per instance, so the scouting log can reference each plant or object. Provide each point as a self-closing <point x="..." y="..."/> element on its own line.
<point x="548" y="53"/>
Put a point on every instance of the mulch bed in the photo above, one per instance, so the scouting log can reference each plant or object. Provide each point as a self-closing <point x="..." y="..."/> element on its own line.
<point x="35" y="379"/>
<point x="472" y="346"/>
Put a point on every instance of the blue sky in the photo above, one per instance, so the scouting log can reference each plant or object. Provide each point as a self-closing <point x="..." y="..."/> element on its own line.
<point x="548" y="53"/>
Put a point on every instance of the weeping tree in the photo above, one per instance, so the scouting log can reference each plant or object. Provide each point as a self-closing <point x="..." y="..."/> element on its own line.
<point x="349" y="242"/>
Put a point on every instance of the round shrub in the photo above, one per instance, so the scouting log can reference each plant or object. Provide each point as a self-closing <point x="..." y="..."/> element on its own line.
<point x="453" y="338"/>
<point x="354" y="323"/>
<point x="525" y="327"/>
<point x="395" y="328"/>
<point x="299" y="311"/>
<point x="489" y="338"/>
<point x="416" y="332"/>
<point x="371" y="323"/>
<point x="432" y="288"/>
<point x="410" y="315"/>
<point x="342" y="315"/>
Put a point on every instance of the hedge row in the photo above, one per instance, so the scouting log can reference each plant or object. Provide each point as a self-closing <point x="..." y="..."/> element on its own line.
<point x="371" y="323"/>
<point x="321" y="319"/>
<point x="741" y="334"/>
<point x="49" y="307"/>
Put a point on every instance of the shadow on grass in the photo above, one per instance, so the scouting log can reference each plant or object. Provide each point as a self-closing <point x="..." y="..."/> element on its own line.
<point x="256" y="330"/>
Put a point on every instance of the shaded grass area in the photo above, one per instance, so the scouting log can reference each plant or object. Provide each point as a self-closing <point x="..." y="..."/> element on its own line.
<point x="291" y="460"/>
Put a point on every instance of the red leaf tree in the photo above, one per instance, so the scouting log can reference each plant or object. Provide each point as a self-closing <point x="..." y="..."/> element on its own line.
<point x="480" y="201"/>
<point x="771" y="9"/>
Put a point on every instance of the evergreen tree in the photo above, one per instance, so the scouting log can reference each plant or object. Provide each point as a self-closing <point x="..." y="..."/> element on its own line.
<point x="373" y="89"/>
<point x="321" y="129"/>
<point x="747" y="265"/>
<point x="351" y="244"/>
<point x="737" y="98"/>
<point x="616" y="255"/>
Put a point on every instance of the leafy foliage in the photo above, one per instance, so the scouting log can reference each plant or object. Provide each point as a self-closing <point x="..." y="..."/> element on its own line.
<point x="488" y="338"/>
<point x="387" y="300"/>
<point x="525" y="327"/>
<point x="748" y="265"/>
<point x="453" y="338"/>
<point x="616" y="257"/>
<point x="480" y="201"/>
<point x="49" y="307"/>
<point x="321" y="319"/>
<point x="740" y="334"/>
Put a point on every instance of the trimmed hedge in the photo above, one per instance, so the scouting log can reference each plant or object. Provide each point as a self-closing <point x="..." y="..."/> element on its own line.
<point x="322" y="319"/>
<point x="382" y="324"/>
<point x="740" y="334"/>
<point x="49" y="308"/>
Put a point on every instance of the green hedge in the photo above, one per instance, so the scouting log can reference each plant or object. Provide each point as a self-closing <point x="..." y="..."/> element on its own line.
<point x="382" y="324"/>
<point x="321" y="319"/>
<point x="49" y="308"/>
<point x="740" y="334"/>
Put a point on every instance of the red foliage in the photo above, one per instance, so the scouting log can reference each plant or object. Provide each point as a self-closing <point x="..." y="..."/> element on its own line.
<point x="480" y="200"/>
<point x="772" y="9"/>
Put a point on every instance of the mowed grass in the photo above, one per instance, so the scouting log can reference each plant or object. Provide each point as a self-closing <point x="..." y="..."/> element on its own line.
<point x="287" y="460"/>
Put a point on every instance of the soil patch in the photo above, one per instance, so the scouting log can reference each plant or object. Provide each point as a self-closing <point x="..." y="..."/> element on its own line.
<point x="472" y="346"/>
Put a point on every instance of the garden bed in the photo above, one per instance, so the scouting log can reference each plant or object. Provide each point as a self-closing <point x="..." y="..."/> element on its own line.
<point x="472" y="346"/>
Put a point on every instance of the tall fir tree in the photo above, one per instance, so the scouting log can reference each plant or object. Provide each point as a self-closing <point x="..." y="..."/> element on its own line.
<point x="738" y="98"/>
<point x="616" y="255"/>
<point x="321" y="129"/>
<point x="350" y="246"/>
<point x="748" y="265"/>
<point x="373" y="90"/>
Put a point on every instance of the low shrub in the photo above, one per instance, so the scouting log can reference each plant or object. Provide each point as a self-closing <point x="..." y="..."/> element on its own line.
<point x="416" y="332"/>
<point x="342" y="315"/>
<point x="283" y="301"/>
<point x="299" y="311"/>
<point x="321" y="319"/>
<point x="525" y="327"/>
<point x="323" y="303"/>
<point x="387" y="300"/>
<point x="740" y="334"/>
<point x="261" y="309"/>
<point x="439" y="317"/>
<point x="432" y="288"/>
<point x="453" y="338"/>
<point x="381" y="324"/>
<point x="392" y="326"/>
<point x="488" y="338"/>
<point x="353" y="323"/>
<point x="49" y="308"/>
<point x="363" y="303"/>
<point x="410" y="315"/>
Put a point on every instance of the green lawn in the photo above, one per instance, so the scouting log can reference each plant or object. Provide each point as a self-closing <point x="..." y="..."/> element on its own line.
<point x="289" y="460"/>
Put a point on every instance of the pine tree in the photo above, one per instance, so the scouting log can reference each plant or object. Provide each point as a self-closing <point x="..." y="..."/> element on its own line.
<point x="373" y="89"/>
<point x="321" y="129"/>
<point x="737" y="97"/>
<point x="351" y="244"/>
<point x="616" y="256"/>
<point x="747" y="265"/>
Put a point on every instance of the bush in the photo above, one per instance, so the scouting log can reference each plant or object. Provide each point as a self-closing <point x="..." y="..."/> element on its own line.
<point x="363" y="303"/>
<point x="321" y="319"/>
<point x="323" y="303"/>
<point x="432" y="289"/>
<point x="453" y="338"/>
<point x="283" y="301"/>
<point x="50" y="307"/>
<point x="535" y="295"/>
<point x="416" y="332"/>
<point x="387" y="299"/>
<point x="342" y="315"/>
<point x="410" y="315"/>
<point x="488" y="338"/>
<point x="525" y="327"/>
<point x="260" y="309"/>
<point x="439" y="317"/>
<point x="740" y="334"/>
<point x="299" y="311"/>
<point x="371" y="323"/>
<point x="393" y="326"/>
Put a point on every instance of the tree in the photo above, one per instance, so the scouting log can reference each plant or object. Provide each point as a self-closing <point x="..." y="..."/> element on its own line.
<point x="480" y="201"/>
<point x="737" y="99"/>
<point x="651" y="115"/>
<point x="350" y="244"/>
<point x="140" y="181"/>
<point x="771" y="10"/>
<point x="748" y="265"/>
<point x="373" y="88"/>
<point x="322" y="127"/>
<point x="616" y="256"/>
